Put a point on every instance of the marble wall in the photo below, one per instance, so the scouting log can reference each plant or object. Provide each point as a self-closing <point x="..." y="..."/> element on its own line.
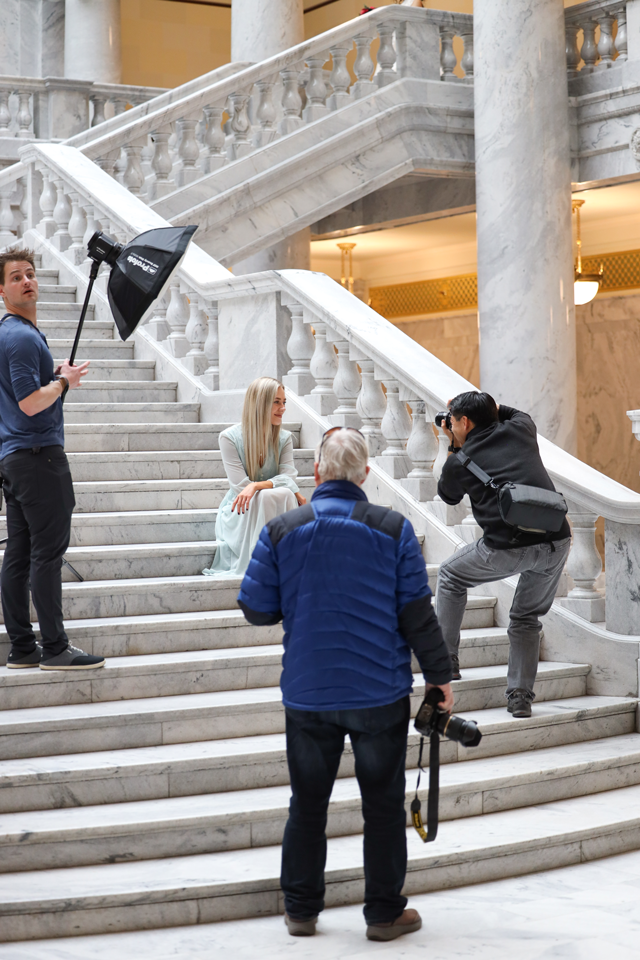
<point x="32" y="38"/>
<point x="608" y="347"/>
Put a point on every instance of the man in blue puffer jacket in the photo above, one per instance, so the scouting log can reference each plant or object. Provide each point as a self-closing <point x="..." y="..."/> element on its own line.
<point x="349" y="582"/>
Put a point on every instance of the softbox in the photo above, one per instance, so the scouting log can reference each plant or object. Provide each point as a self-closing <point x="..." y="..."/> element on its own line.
<point x="140" y="272"/>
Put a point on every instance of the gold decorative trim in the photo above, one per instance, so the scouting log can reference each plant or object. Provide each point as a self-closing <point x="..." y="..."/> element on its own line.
<point x="621" y="272"/>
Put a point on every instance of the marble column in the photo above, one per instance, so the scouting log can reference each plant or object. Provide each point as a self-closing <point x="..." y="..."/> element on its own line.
<point x="92" y="47"/>
<point x="260" y="30"/>
<point x="523" y="190"/>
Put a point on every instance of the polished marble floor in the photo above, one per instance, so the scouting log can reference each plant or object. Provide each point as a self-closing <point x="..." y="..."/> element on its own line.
<point x="584" y="912"/>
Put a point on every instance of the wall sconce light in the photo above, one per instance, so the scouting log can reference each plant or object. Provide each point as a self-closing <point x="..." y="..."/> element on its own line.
<point x="346" y="252"/>
<point x="585" y="285"/>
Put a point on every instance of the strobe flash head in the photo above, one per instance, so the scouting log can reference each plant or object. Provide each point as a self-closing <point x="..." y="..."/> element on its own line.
<point x="102" y="249"/>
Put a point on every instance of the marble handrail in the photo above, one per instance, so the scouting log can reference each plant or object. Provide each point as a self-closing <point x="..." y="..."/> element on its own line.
<point x="609" y="16"/>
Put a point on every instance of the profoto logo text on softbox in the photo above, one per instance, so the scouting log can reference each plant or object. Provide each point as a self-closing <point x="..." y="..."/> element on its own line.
<point x="143" y="264"/>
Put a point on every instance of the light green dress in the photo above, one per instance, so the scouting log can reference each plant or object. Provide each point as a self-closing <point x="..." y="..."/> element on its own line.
<point x="237" y="533"/>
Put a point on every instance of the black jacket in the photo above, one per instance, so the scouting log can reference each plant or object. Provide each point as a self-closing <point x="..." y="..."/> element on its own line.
<point x="507" y="451"/>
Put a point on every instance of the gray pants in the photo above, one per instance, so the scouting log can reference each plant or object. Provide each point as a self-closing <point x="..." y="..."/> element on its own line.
<point x="539" y="566"/>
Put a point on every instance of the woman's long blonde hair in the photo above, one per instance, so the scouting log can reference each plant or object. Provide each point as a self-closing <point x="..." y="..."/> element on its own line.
<point x="259" y="436"/>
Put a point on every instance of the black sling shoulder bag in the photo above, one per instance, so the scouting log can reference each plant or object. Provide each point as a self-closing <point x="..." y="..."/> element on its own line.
<point x="529" y="509"/>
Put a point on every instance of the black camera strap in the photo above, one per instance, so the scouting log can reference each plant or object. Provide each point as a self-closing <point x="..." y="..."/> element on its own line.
<point x="476" y="470"/>
<point x="428" y="835"/>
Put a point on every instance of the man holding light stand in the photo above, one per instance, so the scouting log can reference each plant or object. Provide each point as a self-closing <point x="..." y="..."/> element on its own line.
<point x="35" y="473"/>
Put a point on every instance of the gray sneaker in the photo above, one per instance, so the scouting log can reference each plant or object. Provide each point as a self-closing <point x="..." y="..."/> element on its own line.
<point x="72" y="659"/>
<point x="519" y="703"/>
<point x="16" y="661"/>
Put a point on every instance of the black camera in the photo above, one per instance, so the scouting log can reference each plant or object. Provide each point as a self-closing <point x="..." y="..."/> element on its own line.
<point x="102" y="249"/>
<point x="433" y="719"/>
<point x="444" y="416"/>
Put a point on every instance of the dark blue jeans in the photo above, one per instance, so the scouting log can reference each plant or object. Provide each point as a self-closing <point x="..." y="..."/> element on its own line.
<point x="315" y="742"/>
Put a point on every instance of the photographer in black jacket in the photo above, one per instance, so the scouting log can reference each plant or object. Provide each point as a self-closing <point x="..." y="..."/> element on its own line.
<point x="503" y="442"/>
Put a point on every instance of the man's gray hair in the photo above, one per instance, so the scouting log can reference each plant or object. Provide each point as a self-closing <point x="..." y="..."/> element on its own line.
<point x="344" y="457"/>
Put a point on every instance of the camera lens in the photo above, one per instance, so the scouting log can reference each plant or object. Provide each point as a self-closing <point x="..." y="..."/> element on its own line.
<point x="465" y="732"/>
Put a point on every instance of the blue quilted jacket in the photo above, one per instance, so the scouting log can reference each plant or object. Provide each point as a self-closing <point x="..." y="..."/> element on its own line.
<point x="349" y="582"/>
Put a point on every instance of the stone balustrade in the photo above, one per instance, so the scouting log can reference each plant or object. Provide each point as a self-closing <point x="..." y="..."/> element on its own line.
<point x="43" y="109"/>
<point x="348" y="364"/>
<point x="178" y="139"/>
<point x="596" y="35"/>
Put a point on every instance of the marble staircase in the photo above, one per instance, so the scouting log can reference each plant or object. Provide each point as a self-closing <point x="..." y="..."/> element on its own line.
<point x="154" y="792"/>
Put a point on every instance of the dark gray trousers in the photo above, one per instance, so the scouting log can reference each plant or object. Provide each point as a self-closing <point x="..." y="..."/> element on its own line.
<point x="539" y="567"/>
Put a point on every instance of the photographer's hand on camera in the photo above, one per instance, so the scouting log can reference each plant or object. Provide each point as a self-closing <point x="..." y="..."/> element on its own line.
<point x="448" y="701"/>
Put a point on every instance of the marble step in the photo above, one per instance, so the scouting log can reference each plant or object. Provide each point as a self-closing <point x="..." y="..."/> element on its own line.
<point x="47" y="277"/>
<point x="142" y="371"/>
<point x="119" y="437"/>
<point x="51" y="312"/>
<point x="138" y="526"/>
<point x="65" y="329"/>
<point x="116" y="413"/>
<point x="90" y="349"/>
<point x="122" y="391"/>
<point x="123" y="495"/>
<point x="139" y="560"/>
<point x="241" y="883"/>
<point x="183" y="768"/>
<point x="221" y="714"/>
<point x="162" y="465"/>
<point x="246" y="668"/>
<point x="151" y="595"/>
<point x="56" y="292"/>
<point x="243" y="819"/>
<point x="218" y="629"/>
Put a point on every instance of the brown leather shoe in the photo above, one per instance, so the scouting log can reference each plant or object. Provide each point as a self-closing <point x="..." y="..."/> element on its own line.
<point x="300" y="928"/>
<point x="408" y="922"/>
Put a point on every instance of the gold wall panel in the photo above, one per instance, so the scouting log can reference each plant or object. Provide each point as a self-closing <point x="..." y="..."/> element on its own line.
<point x="425" y="296"/>
<point x="621" y="272"/>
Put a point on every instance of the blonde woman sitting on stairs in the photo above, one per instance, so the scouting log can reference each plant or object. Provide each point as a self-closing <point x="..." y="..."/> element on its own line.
<point x="257" y="456"/>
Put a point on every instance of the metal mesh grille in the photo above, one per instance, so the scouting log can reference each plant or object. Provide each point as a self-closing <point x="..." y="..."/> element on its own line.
<point x="425" y="296"/>
<point x="621" y="272"/>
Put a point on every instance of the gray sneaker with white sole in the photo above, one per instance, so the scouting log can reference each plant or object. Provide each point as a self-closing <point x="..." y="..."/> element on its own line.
<point x="17" y="660"/>
<point x="72" y="659"/>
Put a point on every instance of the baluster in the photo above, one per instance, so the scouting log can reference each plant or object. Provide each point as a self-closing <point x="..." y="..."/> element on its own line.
<point x="396" y="427"/>
<point x="323" y="366"/>
<point x="99" y="104"/>
<point x="188" y="152"/>
<point x="62" y="215"/>
<point x="211" y="376"/>
<point x="571" y="47"/>
<point x="108" y="162"/>
<point x="47" y="226"/>
<point x="157" y="326"/>
<point x="291" y="102"/>
<point x="240" y="127"/>
<point x="177" y="317"/>
<point x="448" y="59"/>
<point x="92" y="225"/>
<point x="265" y="114"/>
<point x="7" y="236"/>
<point x="371" y="406"/>
<point x="621" y="35"/>
<point x="584" y="566"/>
<point x="363" y="68"/>
<point x="589" y="51"/>
<point x="422" y="449"/>
<point x="77" y="227"/>
<point x="161" y="164"/>
<point x="132" y="176"/>
<point x="215" y="155"/>
<point x="346" y="386"/>
<point x="606" y="49"/>
<point x="316" y="90"/>
<point x="340" y="77"/>
<point x="386" y="55"/>
<point x="24" y="117"/>
<point x="196" y="333"/>
<point x="22" y="224"/>
<point x="146" y="157"/>
<point x="467" y="58"/>
<point x="447" y="514"/>
<point x="300" y="347"/>
<point x="5" y="113"/>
